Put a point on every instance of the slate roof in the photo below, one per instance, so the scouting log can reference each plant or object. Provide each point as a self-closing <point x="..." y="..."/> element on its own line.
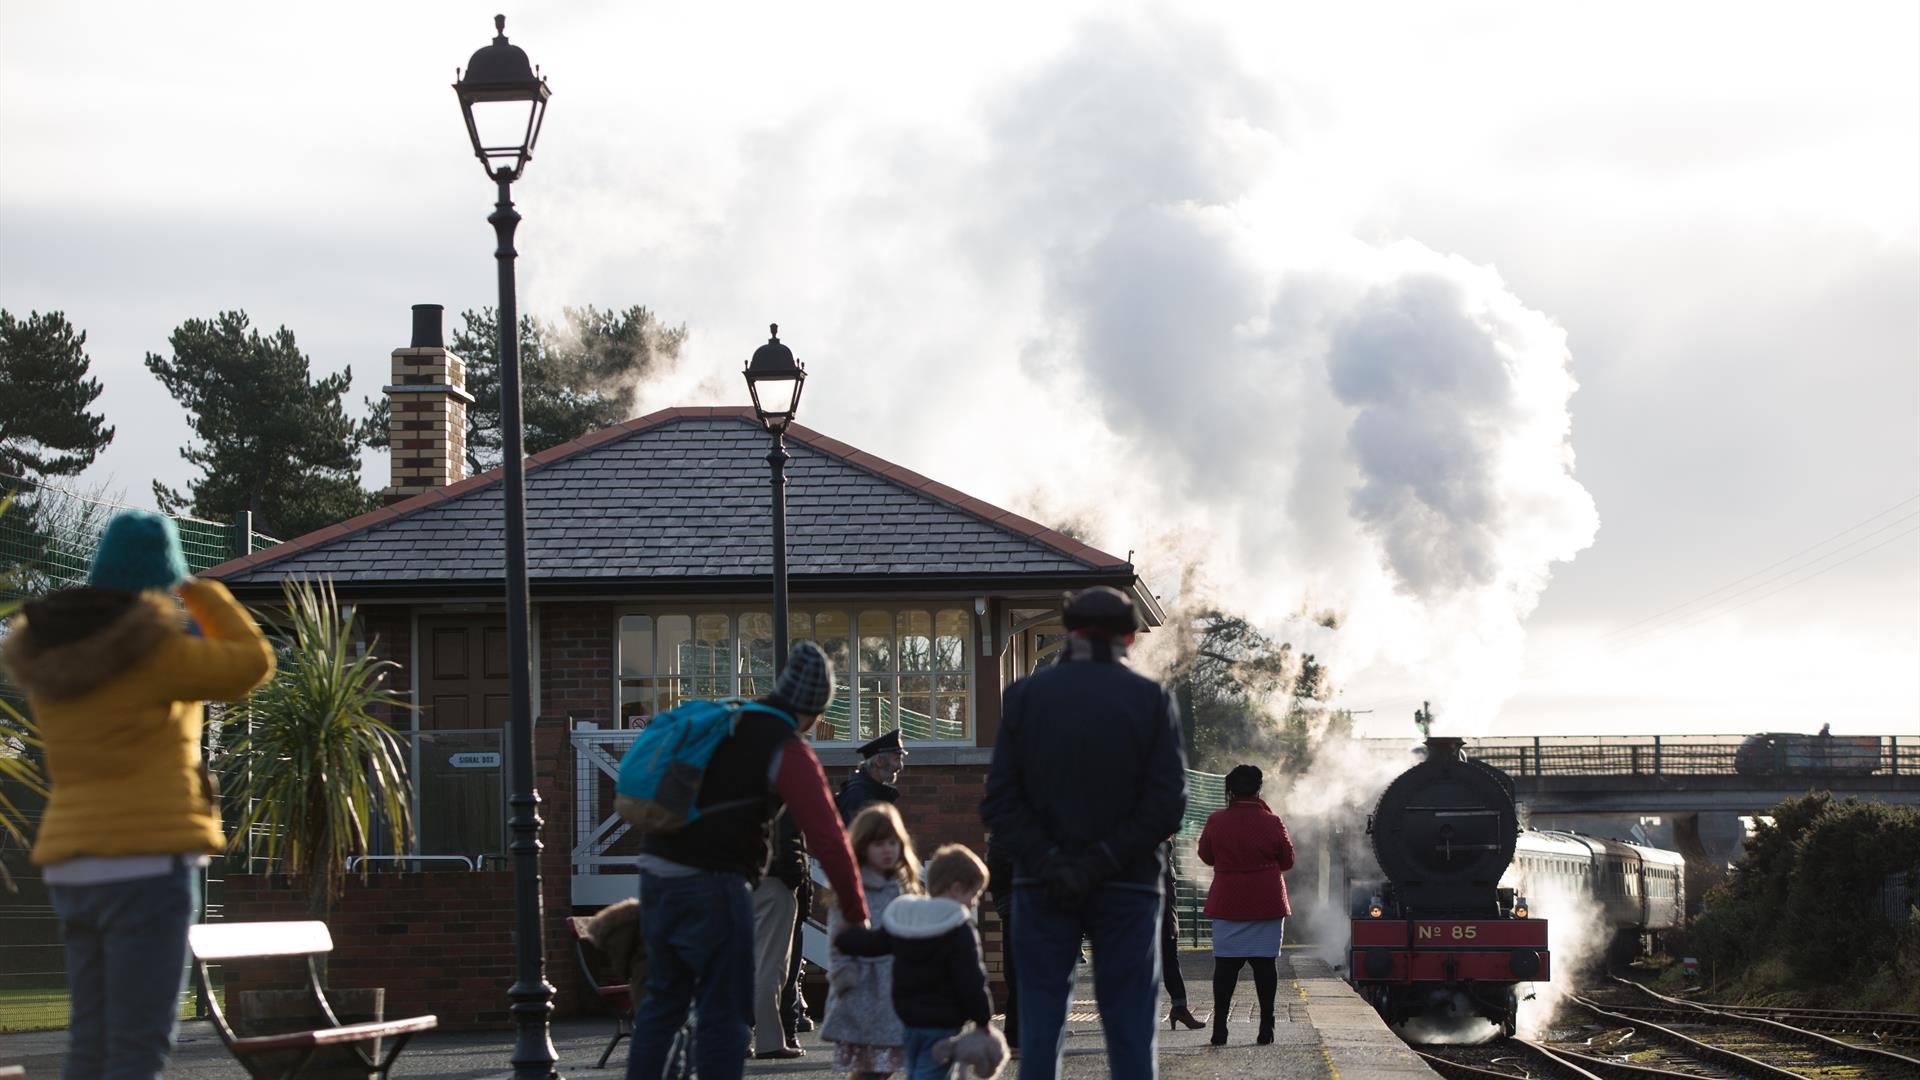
<point x="679" y="498"/>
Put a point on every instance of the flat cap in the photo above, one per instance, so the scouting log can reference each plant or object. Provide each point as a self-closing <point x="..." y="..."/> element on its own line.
<point x="1101" y="608"/>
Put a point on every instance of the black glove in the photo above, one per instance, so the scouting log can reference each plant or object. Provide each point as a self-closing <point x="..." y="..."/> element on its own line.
<point x="1069" y="880"/>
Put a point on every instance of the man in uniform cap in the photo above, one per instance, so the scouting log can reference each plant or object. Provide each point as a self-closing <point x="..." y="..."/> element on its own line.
<point x="1088" y="779"/>
<point x="880" y="763"/>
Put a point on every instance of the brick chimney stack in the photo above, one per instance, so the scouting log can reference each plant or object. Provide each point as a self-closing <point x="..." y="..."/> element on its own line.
<point x="427" y="416"/>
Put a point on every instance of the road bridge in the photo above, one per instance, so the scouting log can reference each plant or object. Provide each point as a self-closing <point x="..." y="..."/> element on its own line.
<point x="1670" y="774"/>
<point x="1690" y="792"/>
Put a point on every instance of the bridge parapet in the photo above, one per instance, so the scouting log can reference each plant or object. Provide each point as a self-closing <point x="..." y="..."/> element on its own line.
<point x="1660" y="756"/>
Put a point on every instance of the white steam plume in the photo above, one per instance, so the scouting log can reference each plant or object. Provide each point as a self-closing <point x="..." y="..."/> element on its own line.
<point x="1130" y="281"/>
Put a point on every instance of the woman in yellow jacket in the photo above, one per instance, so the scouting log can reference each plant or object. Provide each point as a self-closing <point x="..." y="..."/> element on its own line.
<point x="115" y="676"/>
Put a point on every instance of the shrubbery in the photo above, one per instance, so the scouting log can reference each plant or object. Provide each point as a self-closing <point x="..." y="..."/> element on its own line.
<point x="1803" y="903"/>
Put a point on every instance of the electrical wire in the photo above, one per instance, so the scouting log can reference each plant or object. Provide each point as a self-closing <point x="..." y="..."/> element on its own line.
<point x="1659" y="615"/>
<point x="1674" y="629"/>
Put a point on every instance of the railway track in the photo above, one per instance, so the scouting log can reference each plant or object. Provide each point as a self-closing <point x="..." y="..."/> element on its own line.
<point x="1645" y="1035"/>
<point x="1876" y="1028"/>
<point x="1509" y="1059"/>
<point x="1746" y="1044"/>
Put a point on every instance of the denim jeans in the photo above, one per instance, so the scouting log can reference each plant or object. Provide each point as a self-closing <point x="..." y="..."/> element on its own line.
<point x="126" y="944"/>
<point x="919" y="1053"/>
<point x="699" y="936"/>
<point x="1123" y="924"/>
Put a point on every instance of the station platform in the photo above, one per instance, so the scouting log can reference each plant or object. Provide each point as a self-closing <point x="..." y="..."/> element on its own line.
<point x="1322" y="1031"/>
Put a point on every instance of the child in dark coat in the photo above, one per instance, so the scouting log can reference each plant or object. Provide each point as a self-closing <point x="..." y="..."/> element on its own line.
<point x="939" y="980"/>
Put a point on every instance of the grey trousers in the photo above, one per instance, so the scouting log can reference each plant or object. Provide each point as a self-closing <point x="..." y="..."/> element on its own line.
<point x="773" y="910"/>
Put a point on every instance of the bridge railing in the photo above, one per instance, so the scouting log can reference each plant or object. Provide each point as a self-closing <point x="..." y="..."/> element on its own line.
<point x="1697" y="755"/>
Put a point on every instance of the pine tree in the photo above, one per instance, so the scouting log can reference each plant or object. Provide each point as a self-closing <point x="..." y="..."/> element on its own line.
<point x="271" y="439"/>
<point x="45" y="393"/>
<point x="576" y="377"/>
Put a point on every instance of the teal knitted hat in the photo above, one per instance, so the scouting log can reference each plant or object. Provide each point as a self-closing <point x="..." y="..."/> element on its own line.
<point x="139" y="551"/>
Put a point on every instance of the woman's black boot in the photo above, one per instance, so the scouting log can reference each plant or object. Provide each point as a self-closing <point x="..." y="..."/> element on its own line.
<point x="1266" y="1030"/>
<point x="1226" y="972"/>
<point x="1179" y="1016"/>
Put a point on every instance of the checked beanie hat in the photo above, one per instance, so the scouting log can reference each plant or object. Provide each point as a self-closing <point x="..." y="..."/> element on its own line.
<point x="140" y="550"/>
<point x="806" y="683"/>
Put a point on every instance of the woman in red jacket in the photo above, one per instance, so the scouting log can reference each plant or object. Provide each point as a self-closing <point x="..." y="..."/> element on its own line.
<point x="1248" y="848"/>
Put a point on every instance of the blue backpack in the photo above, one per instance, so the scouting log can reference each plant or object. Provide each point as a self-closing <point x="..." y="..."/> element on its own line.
<point x="660" y="775"/>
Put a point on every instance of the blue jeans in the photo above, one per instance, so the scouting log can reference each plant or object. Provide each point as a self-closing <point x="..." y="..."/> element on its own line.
<point x="699" y="935"/>
<point x="919" y="1053"/>
<point x="1123" y="924"/>
<point x="126" y="955"/>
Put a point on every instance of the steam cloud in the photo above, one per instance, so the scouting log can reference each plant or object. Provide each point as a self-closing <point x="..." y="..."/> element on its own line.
<point x="1136" y="277"/>
<point x="1376" y="427"/>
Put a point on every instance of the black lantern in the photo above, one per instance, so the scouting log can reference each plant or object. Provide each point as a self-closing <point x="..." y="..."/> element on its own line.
<point x="504" y="101"/>
<point x="774" y="378"/>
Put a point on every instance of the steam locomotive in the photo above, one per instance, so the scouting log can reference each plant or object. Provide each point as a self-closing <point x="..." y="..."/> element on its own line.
<point x="1450" y="933"/>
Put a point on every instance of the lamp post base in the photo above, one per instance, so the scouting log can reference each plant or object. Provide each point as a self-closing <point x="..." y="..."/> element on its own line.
<point x="534" y="1057"/>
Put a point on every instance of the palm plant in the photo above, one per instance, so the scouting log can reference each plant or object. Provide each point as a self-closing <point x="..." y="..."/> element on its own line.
<point x="318" y="775"/>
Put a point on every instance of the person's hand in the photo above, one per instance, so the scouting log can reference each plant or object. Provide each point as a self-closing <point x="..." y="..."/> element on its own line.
<point x="1069" y="880"/>
<point x="1065" y="884"/>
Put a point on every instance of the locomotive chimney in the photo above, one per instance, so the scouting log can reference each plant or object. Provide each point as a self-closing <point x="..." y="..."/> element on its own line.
<point x="1445" y="748"/>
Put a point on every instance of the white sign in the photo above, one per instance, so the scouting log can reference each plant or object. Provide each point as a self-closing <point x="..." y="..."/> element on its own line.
<point x="474" y="761"/>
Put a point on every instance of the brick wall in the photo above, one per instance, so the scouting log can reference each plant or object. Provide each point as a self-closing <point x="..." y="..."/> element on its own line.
<point x="576" y="662"/>
<point x="941" y="805"/>
<point x="440" y="943"/>
<point x="387" y="630"/>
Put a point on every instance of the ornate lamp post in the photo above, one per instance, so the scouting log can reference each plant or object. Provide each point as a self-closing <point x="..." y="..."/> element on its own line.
<point x="504" y="101"/>
<point x="775" y="378"/>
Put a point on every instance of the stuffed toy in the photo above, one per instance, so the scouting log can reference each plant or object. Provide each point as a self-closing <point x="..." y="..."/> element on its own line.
<point x="983" y="1049"/>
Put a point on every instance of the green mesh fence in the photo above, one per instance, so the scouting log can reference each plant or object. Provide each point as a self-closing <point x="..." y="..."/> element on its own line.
<point x="48" y="534"/>
<point x="47" y="538"/>
<point x="1206" y="792"/>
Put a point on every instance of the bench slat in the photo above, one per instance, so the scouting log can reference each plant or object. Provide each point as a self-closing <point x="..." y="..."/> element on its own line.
<point x="294" y="1040"/>
<point x="240" y="940"/>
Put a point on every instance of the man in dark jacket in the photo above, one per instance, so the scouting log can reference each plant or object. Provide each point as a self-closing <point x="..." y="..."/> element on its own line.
<point x="881" y="761"/>
<point x="790" y="865"/>
<point x="1000" y="890"/>
<point x="696" y="911"/>
<point x="1088" y="778"/>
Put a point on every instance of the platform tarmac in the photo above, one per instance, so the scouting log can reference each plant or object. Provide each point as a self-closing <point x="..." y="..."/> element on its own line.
<point x="1323" y="1031"/>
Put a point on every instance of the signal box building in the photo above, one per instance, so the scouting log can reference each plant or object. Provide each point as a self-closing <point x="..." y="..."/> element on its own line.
<point x="649" y="552"/>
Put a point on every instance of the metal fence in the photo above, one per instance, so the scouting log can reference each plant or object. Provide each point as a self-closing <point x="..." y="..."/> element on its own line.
<point x="47" y="539"/>
<point x="1700" y="755"/>
<point x="48" y="536"/>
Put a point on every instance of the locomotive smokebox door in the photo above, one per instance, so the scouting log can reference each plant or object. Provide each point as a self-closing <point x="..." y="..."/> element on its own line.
<point x="1445" y="830"/>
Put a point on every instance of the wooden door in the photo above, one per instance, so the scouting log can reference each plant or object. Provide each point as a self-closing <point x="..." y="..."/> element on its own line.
<point x="463" y="674"/>
<point x="464" y="703"/>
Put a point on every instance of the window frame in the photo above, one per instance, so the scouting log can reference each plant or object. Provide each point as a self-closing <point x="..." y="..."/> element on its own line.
<point x="853" y="609"/>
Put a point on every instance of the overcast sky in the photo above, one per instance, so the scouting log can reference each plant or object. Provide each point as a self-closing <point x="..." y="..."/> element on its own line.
<point x="1572" y="353"/>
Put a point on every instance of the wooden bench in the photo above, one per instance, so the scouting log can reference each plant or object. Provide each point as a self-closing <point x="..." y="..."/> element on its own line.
<point x="287" y="1055"/>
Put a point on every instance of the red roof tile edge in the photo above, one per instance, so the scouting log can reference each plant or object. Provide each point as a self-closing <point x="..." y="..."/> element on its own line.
<point x="959" y="500"/>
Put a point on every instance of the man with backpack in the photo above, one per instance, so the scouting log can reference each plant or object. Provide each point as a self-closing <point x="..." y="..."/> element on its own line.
<point x="702" y="784"/>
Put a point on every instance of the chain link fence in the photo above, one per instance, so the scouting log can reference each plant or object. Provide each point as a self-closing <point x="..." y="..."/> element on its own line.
<point x="47" y="539"/>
